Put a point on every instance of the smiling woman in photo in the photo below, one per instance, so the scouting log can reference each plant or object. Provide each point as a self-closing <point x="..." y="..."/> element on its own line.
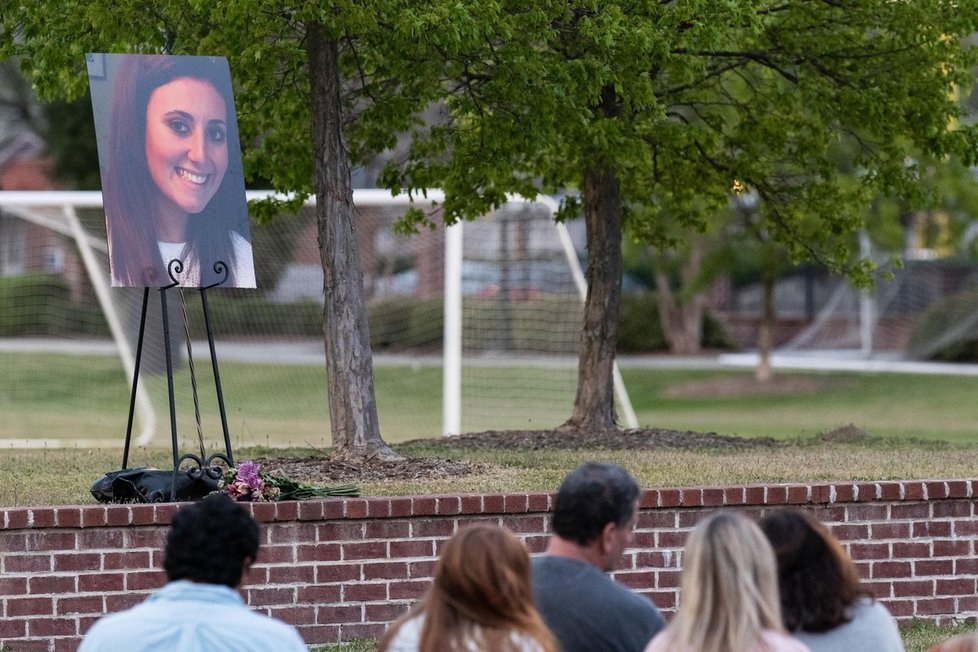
<point x="173" y="188"/>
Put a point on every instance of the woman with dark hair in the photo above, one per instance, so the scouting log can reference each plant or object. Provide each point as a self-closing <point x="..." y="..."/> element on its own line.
<point x="822" y="600"/>
<point x="174" y="188"/>
<point x="479" y="600"/>
<point x="728" y="595"/>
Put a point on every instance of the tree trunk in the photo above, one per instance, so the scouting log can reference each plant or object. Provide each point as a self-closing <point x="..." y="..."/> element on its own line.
<point x="594" y="405"/>
<point x="349" y="361"/>
<point x="765" y="336"/>
<point x="682" y="320"/>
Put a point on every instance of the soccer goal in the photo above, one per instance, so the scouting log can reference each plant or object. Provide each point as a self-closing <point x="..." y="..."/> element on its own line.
<point x="473" y="327"/>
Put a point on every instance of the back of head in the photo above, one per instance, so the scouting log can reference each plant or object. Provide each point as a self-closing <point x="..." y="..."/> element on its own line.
<point x="591" y="496"/>
<point x="729" y="592"/>
<point x="481" y="589"/>
<point x="211" y="541"/>
<point x="817" y="579"/>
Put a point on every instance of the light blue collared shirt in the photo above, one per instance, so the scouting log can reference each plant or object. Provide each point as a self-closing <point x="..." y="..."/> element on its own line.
<point x="190" y="617"/>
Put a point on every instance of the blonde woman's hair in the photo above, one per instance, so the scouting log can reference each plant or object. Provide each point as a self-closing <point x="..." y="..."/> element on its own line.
<point x="729" y="588"/>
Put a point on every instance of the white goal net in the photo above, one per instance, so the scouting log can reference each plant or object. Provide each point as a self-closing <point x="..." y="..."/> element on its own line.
<point x="68" y="341"/>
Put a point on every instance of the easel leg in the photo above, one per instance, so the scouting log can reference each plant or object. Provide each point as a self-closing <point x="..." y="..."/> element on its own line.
<point x="135" y="378"/>
<point x="169" y="385"/>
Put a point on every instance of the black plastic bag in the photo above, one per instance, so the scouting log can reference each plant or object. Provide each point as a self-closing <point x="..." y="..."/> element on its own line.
<point x="145" y="485"/>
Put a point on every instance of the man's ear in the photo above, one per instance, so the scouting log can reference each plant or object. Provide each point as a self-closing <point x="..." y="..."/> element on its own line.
<point x="607" y="537"/>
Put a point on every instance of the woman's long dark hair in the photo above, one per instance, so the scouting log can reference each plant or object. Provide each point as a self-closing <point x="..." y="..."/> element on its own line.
<point x="818" y="581"/>
<point x="128" y="186"/>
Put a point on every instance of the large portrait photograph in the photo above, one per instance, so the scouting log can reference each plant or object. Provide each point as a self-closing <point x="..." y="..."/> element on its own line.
<point x="170" y="162"/>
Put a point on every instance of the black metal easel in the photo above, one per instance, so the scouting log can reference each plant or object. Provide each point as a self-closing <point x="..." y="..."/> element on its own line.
<point x="204" y="465"/>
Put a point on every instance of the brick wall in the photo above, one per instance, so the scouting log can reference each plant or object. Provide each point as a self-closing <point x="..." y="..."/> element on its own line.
<point x="342" y="569"/>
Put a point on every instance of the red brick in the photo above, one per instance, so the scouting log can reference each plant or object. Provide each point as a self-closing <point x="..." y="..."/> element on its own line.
<point x="83" y="604"/>
<point x="365" y="592"/>
<point x="11" y="586"/>
<point x="95" y="582"/>
<point x="964" y="567"/>
<point x="890" y="490"/>
<point x="931" y="529"/>
<point x="935" y="606"/>
<point x="845" y="493"/>
<point x="318" y="594"/>
<point x="127" y="559"/>
<point x="94" y="516"/>
<point x="67" y="517"/>
<point x="286" y="510"/>
<point x="889" y="530"/>
<point x="494" y="504"/>
<point x="539" y="502"/>
<point x="524" y="524"/>
<point x="891" y="569"/>
<point x="263" y="512"/>
<point x="283" y="554"/>
<point x="928" y="567"/>
<point x="291" y="574"/>
<point x="356" y="508"/>
<point x="333" y="509"/>
<point x="100" y="538"/>
<point x="867" y="512"/>
<point x="959" y="586"/>
<point x="899" y="608"/>
<point x="37" y="541"/>
<point x="142" y="515"/>
<point x="385" y="571"/>
<point x="956" y="509"/>
<point x="451" y="505"/>
<point x="948" y="548"/>
<point x="798" y="494"/>
<point x="30" y="607"/>
<point x="326" y="573"/>
<point x="410" y="590"/>
<point x="914" y="490"/>
<point x="912" y="511"/>
<point x="670" y="539"/>
<point x="957" y="489"/>
<point x="317" y="552"/>
<point x="913" y="588"/>
<point x="536" y="544"/>
<point x="365" y="550"/>
<point x="670" y="497"/>
<point x="636" y="579"/>
<point x="869" y="551"/>
<point x="421" y="569"/>
<point x="936" y="490"/>
<point x="776" y="495"/>
<point x="471" y="504"/>
<point x="734" y="496"/>
<point x="264" y="596"/>
<point x="294" y="615"/>
<point x="337" y="532"/>
<point x="27" y="563"/>
<point x="12" y="628"/>
<point x="121" y="601"/>
<point x="691" y="497"/>
<point x="829" y="514"/>
<point x="427" y="506"/>
<point x="145" y="580"/>
<point x="46" y="627"/>
<point x="401" y="507"/>
<point x="851" y="532"/>
<point x="434" y="528"/>
<point x="412" y="548"/>
<point x="28" y="645"/>
<point x="713" y="497"/>
<point x="310" y="510"/>
<point x="755" y="495"/>
<point x="910" y="549"/>
<point x="966" y="528"/>
<point x="388" y="529"/>
<point x="49" y="584"/>
<point x="84" y="561"/>
<point x="384" y="613"/>
<point x="319" y="634"/>
<point x="368" y="631"/>
<point x="516" y="503"/>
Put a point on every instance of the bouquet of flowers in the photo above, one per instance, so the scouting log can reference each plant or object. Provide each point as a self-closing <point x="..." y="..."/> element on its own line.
<point x="248" y="483"/>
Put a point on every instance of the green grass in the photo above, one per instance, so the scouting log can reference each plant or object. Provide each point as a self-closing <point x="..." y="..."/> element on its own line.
<point x="86" y="397"/>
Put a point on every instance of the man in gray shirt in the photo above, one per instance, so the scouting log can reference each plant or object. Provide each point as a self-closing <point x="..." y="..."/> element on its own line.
<point x="593" y="519"/>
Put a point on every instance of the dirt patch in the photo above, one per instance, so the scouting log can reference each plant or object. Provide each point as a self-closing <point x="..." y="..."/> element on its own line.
<point x="845" y="435"/>
<point x="325" y="470"/>
<point x="746" y="385"/>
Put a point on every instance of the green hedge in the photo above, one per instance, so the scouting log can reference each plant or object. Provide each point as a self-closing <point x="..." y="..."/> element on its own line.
<point x="40" y="305"/>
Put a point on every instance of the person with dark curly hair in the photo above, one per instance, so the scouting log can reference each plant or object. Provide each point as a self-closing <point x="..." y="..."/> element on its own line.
<point x="594" y="515"/>
<point x="210" y="546"/>
<point x="823" y="602"/>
